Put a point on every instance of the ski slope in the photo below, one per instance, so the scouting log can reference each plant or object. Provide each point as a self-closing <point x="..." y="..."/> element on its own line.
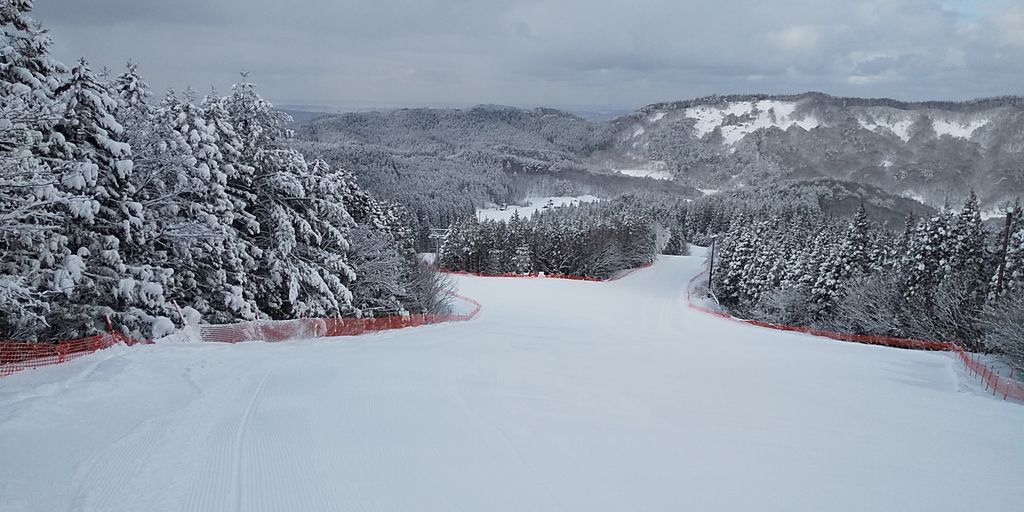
<point x="534" y="205"/>
<point x="562" y="395"/>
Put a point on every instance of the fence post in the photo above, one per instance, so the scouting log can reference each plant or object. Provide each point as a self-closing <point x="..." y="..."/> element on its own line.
<point x="711" y="266"/>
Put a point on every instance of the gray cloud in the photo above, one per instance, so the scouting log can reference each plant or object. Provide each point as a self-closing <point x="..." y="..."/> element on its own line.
<point x="571" y="52"/>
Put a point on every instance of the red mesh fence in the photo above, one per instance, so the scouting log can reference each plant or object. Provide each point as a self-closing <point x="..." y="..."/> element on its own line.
<point x="283" y="330"/>
<point x="20" y="355"/>
<point x="17" y="355"/>
<point x="1006" y="388"/>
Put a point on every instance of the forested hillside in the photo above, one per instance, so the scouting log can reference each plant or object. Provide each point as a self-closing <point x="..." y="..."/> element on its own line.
<point x="443" y="164"/>
<point x="932" y="152"/>
<point x="942" y="277"/>
<point x="591" y="240"/>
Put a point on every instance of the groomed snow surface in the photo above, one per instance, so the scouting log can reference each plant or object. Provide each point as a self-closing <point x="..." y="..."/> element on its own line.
<point x="562" y="395"/>
<point x="534" y="205"/>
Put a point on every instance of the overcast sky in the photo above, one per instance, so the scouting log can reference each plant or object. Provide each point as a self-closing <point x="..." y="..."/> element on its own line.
<point x="567" y="53"/>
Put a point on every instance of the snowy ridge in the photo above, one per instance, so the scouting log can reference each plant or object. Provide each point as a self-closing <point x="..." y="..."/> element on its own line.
<point x="738" y="119"/>
<point x="899" y="122"/>
<point x="734" y="119"/>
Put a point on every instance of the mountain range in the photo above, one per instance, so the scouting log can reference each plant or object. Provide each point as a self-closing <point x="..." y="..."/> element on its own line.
<point x="932" y="152"/>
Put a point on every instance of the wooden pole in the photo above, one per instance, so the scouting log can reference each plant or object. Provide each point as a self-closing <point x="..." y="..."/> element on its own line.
<point x="711" y="267"/>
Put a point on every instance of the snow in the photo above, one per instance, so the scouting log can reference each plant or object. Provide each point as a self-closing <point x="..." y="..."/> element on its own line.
<point x="709" y="191"/>
<point x="124" y="166"/>
<point x="710" y="117"/>
<point x="638" y="132"/>
<point x="534" y="204"/>
<point x="646" y="173"/>
<point x="899" y="122"/>
<point x="994" y="213"/>
<point x="562" y="395"/>
<point x="899" y="126"/>
<point x="910" y="194"/>
<point x="162" y="326"/>
<point x="657" y="116"/>
<point x="956" y="129"/>
<point x="125" y="289"/>
<point x="70" y="273"/>
<point x="427" y="258"/>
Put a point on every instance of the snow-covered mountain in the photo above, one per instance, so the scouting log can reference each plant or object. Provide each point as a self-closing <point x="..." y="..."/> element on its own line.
<point x="934" y="152"/>
<point x="931" y="151"/>
<point x="737" y="119"/>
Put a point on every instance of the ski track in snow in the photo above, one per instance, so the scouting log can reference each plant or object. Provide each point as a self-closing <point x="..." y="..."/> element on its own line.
<point x="561" y="395"/>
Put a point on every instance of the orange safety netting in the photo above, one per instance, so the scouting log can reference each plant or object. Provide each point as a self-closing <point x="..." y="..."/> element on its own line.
<point x="21" y="355"/>
<point x="283" y="330"/>
<point x="1001" y="386"/>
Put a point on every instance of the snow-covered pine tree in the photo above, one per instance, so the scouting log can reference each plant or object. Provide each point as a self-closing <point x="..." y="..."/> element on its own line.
<point x="971" y="255"/>
<point x="896" y="255"/>
<point x="928" y="256"/>
<point x="302" y="268"/>
<point x="38" y="185"/>
<point x="213" y="262"/>
<point x="383" y="286"/>
<point x="833" y="270"/>
<point x="858" y="251"/>
<point x="736" y="253"/>
<point x="521" y="260"/>
<point x="677" y="244"/>
<point x="965" y="284"/>
<point x="129" y="293"/>
<point x="459" y="249"/>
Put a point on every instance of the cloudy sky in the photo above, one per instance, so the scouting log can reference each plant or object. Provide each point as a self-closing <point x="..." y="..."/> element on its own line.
<point x="567" y="53"/>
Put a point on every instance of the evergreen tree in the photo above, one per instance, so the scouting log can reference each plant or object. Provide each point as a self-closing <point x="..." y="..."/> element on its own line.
<point x="928" y="257"/>
<point x="39" y="185"/>
<point x="302" y="265"/>
<point x="113" y="287"/>
<point x="858" y="251"/>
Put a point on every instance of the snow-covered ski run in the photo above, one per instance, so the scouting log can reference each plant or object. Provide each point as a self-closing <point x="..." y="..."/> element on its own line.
<point x="561" y="395"/>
